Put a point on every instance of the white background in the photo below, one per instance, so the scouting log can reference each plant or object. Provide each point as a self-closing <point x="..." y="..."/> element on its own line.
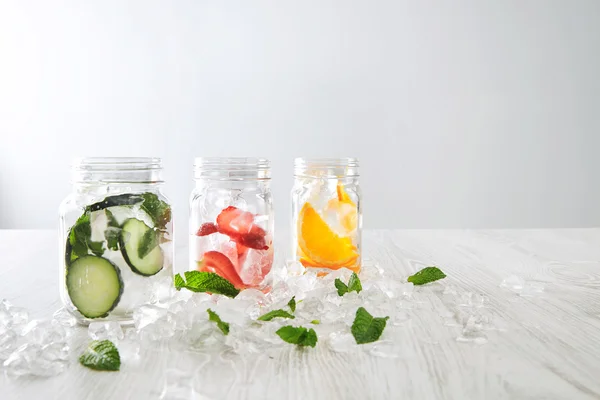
<point x="464" y="113"/>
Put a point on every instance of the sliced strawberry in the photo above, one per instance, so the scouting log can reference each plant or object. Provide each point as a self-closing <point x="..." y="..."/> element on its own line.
<point x="254" y="241"/>
<point x="219" y="263"/>
<point x="239" y="225"/>
<point x="206" y="229"/>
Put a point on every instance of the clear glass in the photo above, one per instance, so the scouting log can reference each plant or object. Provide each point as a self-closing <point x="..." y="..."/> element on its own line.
<point x="326" y="214"/>
<point x="116" y="238"/>
<point x="231" y="220"/>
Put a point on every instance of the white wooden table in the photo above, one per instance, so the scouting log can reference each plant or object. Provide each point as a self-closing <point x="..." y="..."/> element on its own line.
<point x="549" y="347"/>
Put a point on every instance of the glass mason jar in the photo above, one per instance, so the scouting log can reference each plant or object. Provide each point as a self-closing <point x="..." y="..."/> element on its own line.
<point x="115" y="238"/>
<point x="231" y="220"/>
<point x="327" y="214"/>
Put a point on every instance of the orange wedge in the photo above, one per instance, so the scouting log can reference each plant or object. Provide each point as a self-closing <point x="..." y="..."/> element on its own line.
<point x="320" y="244"/>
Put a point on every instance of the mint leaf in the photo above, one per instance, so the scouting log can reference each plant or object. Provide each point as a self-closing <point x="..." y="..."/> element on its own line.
<point x="112" y="232"/>
<point x="101" y="355"/>
<point x="292" y="304"/>
<point x="158" y="210"/>
<point x="197" y="281"/>
<point x="298" y="335"/>
<point x="342" y="288"/>
<point x="354" y="283"/>
<point x="352" y="286"/>
<point x="275" y="314"/>
<point x="179" y="282"/>
<point x="366" y="328"/>
<point x="80" y="239"/>
<point x="426" y="275"/>
<point x="148" y="242"/>
<point x="315" y="322"/>
<point x="223" y="326"/>
<point x="112" y="238"/>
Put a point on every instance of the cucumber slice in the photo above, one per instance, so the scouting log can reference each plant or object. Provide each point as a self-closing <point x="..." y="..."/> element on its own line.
<point x="134" y="242"/>
<point x="94" y="285"/>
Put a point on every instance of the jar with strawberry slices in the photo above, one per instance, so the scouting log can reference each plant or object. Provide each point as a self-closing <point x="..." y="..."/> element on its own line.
<point x="231" y="220"/>
<point x="327" y="213"/>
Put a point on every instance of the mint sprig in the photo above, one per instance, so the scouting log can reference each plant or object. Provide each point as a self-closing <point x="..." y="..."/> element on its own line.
<point x="366" y="328"/>
<point x="101" y="355"/>
<point x="80" y="239"/>
<point x="292" y="304"/>
<point x="112" y="232"/>
<point x="210" y="282"/>
<point x="315" y="322"/>
<point x="353" y="285"/>
<point x="298" y="335"/>
<point x="222" y="325"/>
<point x="275" y="314"/>
<point x="158" y="210"/>
<point x="148" y="243"/>
<point x="426" y="275"/>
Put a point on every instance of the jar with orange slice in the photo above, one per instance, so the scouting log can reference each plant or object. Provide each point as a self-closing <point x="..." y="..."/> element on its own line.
<point x="326" y="213"/>
<point x="231" y="220"/>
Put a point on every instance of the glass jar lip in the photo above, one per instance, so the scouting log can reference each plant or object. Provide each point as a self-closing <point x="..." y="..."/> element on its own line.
<point x="228" y="163"/>
<point x="326" y="162"/>
<point x="116" y="163"/>
<point x="116" y="170"/>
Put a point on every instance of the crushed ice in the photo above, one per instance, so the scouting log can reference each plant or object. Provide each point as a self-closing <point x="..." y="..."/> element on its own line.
<point x="179" y="319"/>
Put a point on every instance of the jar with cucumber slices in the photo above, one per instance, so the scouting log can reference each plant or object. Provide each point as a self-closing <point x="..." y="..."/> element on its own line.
<point x="115" y="238"/>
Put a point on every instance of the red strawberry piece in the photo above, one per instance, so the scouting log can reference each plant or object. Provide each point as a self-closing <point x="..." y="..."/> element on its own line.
<point x="206" y="229"/>
<point x="219" y="263"/>
<point x="239" y="225"/>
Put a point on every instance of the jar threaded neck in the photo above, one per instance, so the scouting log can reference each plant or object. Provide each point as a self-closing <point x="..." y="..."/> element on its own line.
<point x="232" y="168"/>
<point x="101" y="170"/>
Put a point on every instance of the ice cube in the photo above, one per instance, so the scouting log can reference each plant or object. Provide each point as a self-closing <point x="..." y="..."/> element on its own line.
<point x="256" y="266"/>
<point x="513" y="282"/>
<point x="20" y="315"/>
<point x="341" y="342"/>
<point x="531" y="289"/>
<point x="295" y="268"/>
<point x="5" y="318"/>
<point x="56" y="351"/>
<point x="162" y="290"/>
<point x="8" y="342"/>
<point x="147" y="315"/>
<point x="29" y="359"/>
<point x="106" y="330"/>
<point x="386" y="349"/>
<point x="64" y="318"/>
<point x="5" y="305"/>
<point x="43" y="332"/>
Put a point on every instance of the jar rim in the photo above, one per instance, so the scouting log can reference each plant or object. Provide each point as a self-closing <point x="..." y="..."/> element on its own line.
<point x="115" y="170"/>
<point x="116" y="163"/>
<point x="226" y="163"/>
<point x="326" y="162"/>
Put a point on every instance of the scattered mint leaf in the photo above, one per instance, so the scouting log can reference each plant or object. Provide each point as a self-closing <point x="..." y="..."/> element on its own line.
<point x="223" y="326"/>
<point x="366" y="328"/>
<point x="354" y="283"/>
<point x="158" y="210"/>
<point x="426" y="275"/>
<point x="112" y="221"/>
<point x="315" y="322"/>
<point x="298" y="335"/>
<point x="197" y="281"/>
<point x="341" y="287"/>
<point x="179" y="282"/>
<point x="148" y="243"/>
<point x="352" y="286"/>
<point x="292" y="304"/>
<point x="101" y="355"/>
<point x="275" y="314"/>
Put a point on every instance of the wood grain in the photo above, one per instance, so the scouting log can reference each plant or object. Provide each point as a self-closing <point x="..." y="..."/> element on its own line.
<point x="547" y="346"/>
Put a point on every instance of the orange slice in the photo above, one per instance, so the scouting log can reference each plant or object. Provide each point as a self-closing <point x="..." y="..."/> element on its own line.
<point x="320" y="244"/>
